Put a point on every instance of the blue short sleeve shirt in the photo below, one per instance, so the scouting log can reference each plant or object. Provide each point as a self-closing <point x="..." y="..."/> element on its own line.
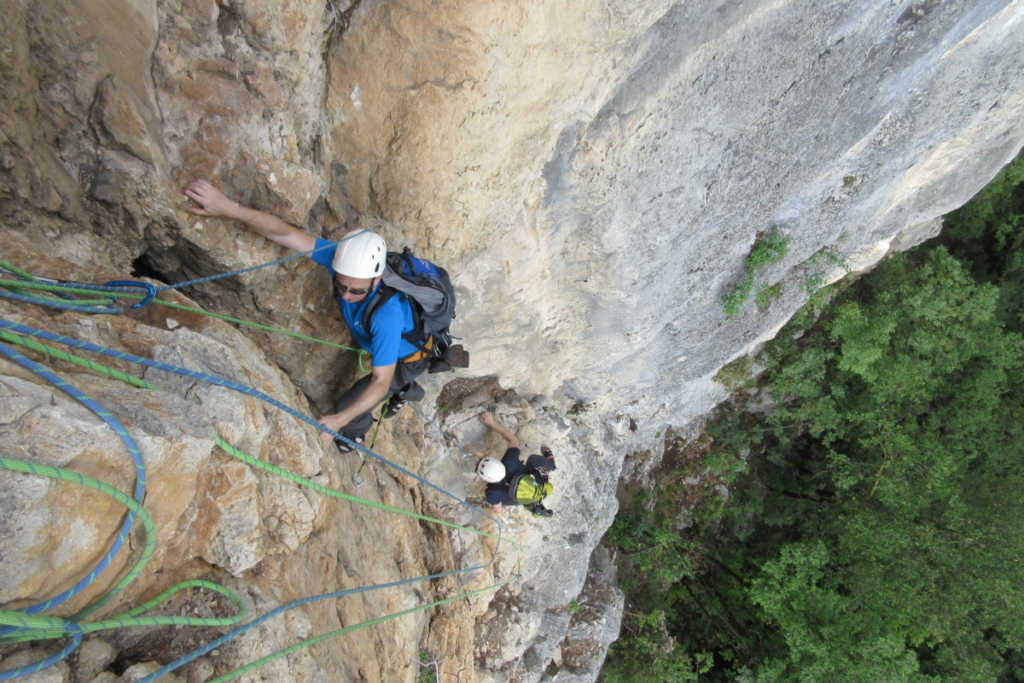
<point x="384" y="338"/>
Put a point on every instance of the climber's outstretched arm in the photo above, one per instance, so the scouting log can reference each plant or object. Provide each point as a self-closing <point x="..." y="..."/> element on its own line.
<point x="212" y="202"/>
<point x="487" y="417"/>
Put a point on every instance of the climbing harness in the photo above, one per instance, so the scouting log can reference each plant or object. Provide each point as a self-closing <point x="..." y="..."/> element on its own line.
<point x="24" y="625"/>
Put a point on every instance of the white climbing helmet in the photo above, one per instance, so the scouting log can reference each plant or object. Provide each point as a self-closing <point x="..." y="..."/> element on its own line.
<point x="490" y="470"/>
<point x="361" y="253"/>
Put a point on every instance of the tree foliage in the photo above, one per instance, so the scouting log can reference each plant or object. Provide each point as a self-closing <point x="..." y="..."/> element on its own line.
<point x="878" y="534"/>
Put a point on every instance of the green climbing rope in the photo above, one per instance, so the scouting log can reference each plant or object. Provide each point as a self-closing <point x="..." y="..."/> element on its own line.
<point x="248" y="459"/>
<point x="43" y="628"/>
<point x="56" y="287"/>
<point x="30" y="343"/>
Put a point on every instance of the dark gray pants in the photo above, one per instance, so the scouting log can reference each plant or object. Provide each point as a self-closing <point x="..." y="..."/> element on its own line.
<point x="403" y="383"/>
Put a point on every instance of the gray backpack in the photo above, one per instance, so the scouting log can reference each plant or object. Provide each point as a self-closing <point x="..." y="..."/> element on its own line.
<point x="428" y="288"/>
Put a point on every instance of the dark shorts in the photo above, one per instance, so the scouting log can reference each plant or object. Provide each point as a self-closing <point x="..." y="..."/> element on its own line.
<point x="403" y="383"/>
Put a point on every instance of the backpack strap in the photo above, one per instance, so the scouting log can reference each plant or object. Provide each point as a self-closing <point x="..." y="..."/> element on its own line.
<point x="407" y="257"/>
<point x="423" y="342"/>
<point x="514" y="484"/>
<point x="380" y="297"/>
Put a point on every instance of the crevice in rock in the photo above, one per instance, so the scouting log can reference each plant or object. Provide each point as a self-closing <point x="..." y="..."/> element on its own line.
<point x="231" y="23"/>
<point x="463" y="393"/>
<point x="143" y="267"/>
<point x="337" y="20"/>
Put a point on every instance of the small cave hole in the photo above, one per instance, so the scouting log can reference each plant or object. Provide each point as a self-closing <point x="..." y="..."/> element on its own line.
<point x="143" y="267"/>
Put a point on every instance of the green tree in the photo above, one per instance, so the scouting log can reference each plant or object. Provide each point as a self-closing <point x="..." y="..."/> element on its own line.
<point x="877" y="531"/>
<point x="987" y="235"/>
<point x="909" y="392"/>
<point x="828" y="637"/>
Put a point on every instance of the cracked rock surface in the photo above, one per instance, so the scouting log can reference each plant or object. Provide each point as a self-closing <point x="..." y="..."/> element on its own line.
<point x="592" y="174"/>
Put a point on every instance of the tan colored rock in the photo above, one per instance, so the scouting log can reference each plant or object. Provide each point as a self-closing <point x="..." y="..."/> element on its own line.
<point x="143" y="669"/>
<point x="591" y="173"/>
<point x="122" y="120"/>
<point x="231" y="518"/>
<point x="57" y="673"/>
<point x="93" y="657"/>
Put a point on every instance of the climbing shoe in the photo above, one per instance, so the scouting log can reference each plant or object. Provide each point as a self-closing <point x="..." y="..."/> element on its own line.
<point x="453" y="357"/>
<point x="344" y="447"/>
<point x="393" y="405"/>
<point x="546" y="452"/>
<point x="539" y="510"/>
<point x="456" y="356"/>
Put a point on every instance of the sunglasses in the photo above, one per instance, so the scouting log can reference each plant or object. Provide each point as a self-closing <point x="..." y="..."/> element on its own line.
<point x="342" y="289"/>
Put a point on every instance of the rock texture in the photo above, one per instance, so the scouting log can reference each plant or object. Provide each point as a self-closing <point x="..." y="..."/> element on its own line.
<point x="593" y="174"/>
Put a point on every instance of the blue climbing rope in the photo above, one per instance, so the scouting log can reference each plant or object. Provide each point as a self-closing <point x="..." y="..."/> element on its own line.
<point x="241" y="271"/>
<point x="111" y="421"/>
<point x="228" y="384"/>
<point x="140" y="477"/>
<point x="66" y="305"/>
<point x="199" y="652"/>
<point x="76" y="640"/>
<point x="148" y="292"/>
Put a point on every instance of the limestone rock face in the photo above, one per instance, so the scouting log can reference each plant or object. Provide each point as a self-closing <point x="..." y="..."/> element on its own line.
<point x="592" y="174"/>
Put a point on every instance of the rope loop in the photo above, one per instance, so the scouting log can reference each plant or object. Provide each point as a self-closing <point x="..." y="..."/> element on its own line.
<point x="24" y="625"/>
<point x="136" y="285"/>
<point x="76" y="640"/>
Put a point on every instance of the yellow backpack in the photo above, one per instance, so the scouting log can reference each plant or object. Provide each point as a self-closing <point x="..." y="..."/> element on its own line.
<point x="527" y="490"/>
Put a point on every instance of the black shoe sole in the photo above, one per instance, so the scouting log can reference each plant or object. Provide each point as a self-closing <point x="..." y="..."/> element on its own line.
<point x="388" y="414"/>
<point x="344" y="447"/>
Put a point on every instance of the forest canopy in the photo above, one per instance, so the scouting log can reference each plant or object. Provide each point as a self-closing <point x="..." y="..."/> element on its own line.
<point x="874" y="526"/>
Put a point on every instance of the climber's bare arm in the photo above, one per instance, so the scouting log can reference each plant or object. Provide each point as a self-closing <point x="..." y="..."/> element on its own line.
<point x="212" y="202"/>
<point x="487" y="417"/>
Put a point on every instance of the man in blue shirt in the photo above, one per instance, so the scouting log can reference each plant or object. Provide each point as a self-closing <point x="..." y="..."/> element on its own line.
<point x="356" y="265"/>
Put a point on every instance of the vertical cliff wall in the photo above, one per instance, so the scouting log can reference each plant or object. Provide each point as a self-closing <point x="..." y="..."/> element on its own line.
<point x="593" y="175"/>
